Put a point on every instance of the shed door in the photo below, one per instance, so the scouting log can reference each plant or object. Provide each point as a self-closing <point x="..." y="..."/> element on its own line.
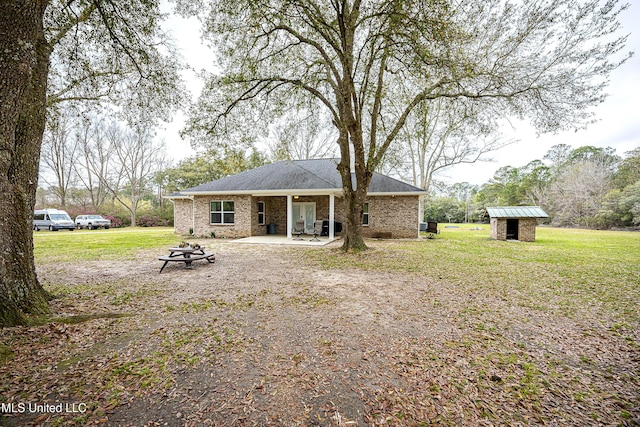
<point x="512" y="229"/>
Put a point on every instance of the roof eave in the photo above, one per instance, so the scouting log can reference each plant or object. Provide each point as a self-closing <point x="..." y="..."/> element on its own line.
<point x="519" y="217"/>
<point x="177" y="197"/>
<point x="297" y="192"/>
<point x="286" y="192"/>
<point x="397" y="193"/>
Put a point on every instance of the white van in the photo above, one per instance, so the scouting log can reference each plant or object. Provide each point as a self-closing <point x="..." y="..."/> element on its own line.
<point x="52" y="219"/>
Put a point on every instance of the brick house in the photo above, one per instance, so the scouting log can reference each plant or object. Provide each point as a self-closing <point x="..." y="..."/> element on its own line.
<point x="270" y="198"/>
<point x="515" y="222"/>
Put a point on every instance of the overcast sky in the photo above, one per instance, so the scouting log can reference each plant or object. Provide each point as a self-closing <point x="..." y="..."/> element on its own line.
<point x="618" y="117"/>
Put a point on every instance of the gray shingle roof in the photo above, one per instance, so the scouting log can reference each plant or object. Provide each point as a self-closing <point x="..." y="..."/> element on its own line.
<point x="516" y="212"/>
<point x="317" y="174"/>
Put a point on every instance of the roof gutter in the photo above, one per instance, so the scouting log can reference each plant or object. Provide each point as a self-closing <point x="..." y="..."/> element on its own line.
<point x="297" y="192"/>
<point x="400" y="193"/>
<point x="300" y="192"/>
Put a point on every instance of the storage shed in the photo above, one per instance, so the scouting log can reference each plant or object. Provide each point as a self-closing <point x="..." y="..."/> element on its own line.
<point x="515" y="222"/>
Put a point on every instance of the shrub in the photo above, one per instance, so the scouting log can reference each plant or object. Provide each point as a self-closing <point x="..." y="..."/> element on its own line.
<point x="74" y="212"/>
<point x="118" y="221"/>
<point x="152" y="221"/>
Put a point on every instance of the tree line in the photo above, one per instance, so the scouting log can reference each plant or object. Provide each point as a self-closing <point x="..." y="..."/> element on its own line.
<point x="101" y="166"/>
<point x="578" y="187"/>
<point x="90" y="165"/>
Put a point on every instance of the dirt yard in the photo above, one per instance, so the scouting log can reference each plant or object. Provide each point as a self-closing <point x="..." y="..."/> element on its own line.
<point x="268" y="337"/>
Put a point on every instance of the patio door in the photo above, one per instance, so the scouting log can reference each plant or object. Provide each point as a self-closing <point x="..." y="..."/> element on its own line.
<point x="305" y="211"/>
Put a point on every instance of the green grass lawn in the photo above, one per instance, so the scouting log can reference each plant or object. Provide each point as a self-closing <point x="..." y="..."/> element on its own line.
<point x="81" y="245"/>
<point x="563" y="270"/>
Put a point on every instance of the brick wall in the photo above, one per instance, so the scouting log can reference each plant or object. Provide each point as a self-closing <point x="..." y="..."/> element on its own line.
<point x="387" y="214"/>
<point x="182" y="216"/>
<point x="275" y="210"/>
<point x="243" y="210"/>
<point x="258" y="229"/>
<point x="397" y="215"/>
<point x="498" y="229"/>
<point x="526" y="229"/>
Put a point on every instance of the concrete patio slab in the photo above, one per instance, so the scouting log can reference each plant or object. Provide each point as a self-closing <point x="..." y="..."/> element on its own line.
<point x="283" y="240"/>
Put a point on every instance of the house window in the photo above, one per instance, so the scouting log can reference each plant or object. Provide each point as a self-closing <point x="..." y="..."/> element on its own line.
<point x="222" y="212"/>
<point x="365" y="214"/>
<point x="261" y="219"/>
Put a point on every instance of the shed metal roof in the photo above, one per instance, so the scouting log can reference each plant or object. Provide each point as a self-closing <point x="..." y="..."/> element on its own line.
<point x="517" y="212"/>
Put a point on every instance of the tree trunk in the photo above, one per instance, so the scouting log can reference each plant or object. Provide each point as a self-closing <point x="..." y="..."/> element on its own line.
<point x="354" y="202"/>
<point x="24" y="59"/>
<point x="354" y="196"/>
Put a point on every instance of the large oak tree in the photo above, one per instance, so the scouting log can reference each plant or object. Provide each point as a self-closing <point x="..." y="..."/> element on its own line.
<point x="54" y="51"/>
<point x="545" y="60"/>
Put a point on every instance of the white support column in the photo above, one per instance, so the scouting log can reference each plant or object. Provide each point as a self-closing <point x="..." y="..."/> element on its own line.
<point x="289" y="215"/>
<point x="332" y="202"/>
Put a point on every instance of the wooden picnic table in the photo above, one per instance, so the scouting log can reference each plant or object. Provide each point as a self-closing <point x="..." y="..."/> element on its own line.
<point x="187" y="255"/>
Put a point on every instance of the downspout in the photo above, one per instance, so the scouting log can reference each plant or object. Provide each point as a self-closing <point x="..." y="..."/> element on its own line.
<point x="193" y="213"/>
<point x="332" y="216"/>
<point x="420" y="210"/>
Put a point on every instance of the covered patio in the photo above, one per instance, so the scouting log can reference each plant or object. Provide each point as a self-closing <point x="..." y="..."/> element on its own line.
<point x="282" y="210"/>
